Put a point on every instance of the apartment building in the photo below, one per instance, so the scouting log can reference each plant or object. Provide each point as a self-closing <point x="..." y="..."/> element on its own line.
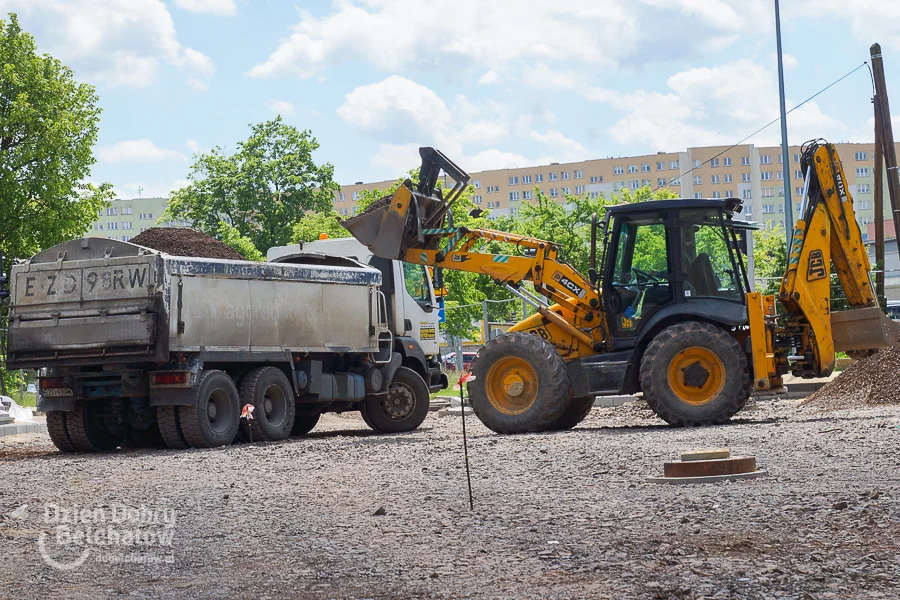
<point x="125" y="218"/>
<point x="754" y="174"/>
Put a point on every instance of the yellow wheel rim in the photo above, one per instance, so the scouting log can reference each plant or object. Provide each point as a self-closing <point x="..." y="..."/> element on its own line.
<point x="511" y="385"/>
<point x="696" y="375"/>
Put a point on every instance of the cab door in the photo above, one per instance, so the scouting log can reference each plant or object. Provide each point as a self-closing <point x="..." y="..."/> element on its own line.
<point x="419" y="305"/>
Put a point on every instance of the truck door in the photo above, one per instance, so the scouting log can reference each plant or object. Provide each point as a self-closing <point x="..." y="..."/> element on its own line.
<point x="420" y="311"/>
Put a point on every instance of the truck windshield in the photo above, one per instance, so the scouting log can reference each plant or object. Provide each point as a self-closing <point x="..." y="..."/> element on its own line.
<point x="416" y="282"/>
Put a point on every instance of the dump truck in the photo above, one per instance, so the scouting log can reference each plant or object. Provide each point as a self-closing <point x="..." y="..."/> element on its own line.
<point x="140" y="347"/>
<point x="666" y="310"/>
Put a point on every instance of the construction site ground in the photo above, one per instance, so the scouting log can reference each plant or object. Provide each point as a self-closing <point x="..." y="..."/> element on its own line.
<point x="348" y="513"/>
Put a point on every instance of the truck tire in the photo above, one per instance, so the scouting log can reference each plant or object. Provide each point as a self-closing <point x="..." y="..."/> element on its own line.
<point x="404" y="406"/>
<point x="59" y="434"/>
<point x="521" y="384"/>
<point x="576" y="411"/>
<point x="169" y="429"/>
<point x="304" y="422"/>
<point x="270" y="393"/>
<point x="695" y="373"/>
<point x="86" y="430"/>
<point x="146" y="438"/>
<point x="212" y="419"/>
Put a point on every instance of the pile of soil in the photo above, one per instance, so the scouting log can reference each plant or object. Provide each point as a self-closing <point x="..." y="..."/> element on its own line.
<point x="183" y="241"/>
<point x="871" y="381"/>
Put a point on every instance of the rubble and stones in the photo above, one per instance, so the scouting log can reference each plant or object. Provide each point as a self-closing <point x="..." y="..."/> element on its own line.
<point x="183" y="241"/>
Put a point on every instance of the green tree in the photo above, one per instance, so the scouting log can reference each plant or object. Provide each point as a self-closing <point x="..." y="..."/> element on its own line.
<point x="769" y="258"/>
<point x="314" y="223"/>
<point x="262" y="189"/>
<point x="230" y="236"/>
<point x="48" y="127"/>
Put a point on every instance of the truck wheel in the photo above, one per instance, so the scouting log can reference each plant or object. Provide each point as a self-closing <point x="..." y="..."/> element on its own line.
<point x="695" y="373"/>
<point x="304" y="422"/>
<point x="169" y="429"/>
<point x="576" y="411"/>
<point x="86" y="430"/>
<point x="59" y="434"/>
<point x="146" y="438"/>
<point x="270" y="393"/>
<point x="521" y="384"/>
<point x="404" y="406"/>
<point x="212" y="419"/>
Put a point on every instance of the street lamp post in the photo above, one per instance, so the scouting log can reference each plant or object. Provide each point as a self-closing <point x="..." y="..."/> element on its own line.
<point x="785" y="159"/>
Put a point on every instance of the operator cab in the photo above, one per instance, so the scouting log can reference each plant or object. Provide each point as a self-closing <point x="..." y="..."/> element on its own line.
<point x="671" y="257"/>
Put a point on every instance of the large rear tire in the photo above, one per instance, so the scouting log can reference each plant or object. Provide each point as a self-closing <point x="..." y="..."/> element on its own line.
<point x="576" y="412"/>
<point x="695" y="373"/>
<point x="270" y="393"/>
<point x="304" y="422"/>
<point x="404" y="406"/>
<point x="212" y="419"/>
<point x="86" y="430"/>
<point x="59" y="433"/>
<point x="521" y="384"/>
<point x="169" y="428"/>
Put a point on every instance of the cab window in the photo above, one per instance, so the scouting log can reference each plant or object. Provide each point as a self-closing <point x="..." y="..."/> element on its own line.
<point x="705" y="258"/>
<point x="416" y="282"/>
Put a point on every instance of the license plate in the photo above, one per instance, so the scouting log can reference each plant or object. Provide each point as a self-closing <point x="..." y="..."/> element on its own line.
<point x="51" y="392"/>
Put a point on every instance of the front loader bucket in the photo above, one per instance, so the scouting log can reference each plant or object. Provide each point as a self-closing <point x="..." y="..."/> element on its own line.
<point x="863" y="329"/>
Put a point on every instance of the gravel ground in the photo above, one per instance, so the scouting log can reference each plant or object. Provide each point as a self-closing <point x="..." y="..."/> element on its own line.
<point x="871" y="381"/>
<point x="558" y="515"/>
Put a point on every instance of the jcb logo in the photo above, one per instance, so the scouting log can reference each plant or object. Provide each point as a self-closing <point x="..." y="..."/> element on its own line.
<point x="816" y="268"/>
<point x="569" y="284"/>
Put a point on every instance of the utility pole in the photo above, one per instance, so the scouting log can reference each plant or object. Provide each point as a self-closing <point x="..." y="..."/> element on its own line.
<point x="887" y="137"/>
<point x="785" y="159"/>
<point x="879" y="210"/>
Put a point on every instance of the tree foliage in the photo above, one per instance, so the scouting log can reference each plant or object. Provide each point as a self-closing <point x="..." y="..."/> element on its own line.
<point x="313" y="224"/>
<point x="243" y="245"/>
<point x="48" y="127"/>
<point x="769" y="258"/>
<point x="262" y="189"/>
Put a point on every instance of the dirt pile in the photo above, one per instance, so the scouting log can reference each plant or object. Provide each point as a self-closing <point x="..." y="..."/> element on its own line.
<point x="182" y="241"/>
<point x="872" y="381"/>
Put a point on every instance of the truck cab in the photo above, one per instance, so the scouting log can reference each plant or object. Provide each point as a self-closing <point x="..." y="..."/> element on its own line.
<point x="412" y="308"/>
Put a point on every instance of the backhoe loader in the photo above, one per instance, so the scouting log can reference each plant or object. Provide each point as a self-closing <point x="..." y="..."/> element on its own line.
<point x="667" y="310"/>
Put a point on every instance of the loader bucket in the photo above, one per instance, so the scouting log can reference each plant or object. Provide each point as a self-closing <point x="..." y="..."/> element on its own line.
<point x="863" y="329"/>
<point x="396" y="223"/>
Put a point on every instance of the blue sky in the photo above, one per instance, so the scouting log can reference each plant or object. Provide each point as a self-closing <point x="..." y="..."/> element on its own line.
<point x="492" y="84"/>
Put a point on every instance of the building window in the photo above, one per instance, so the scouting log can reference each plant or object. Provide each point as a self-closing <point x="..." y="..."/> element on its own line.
<point x="596" y="178"/>
<point x="675" y="181"/>
<point x="726" y="162"/>
<point x="492" y="188"/>
<point x="698" y="179"/>
<point x="696" y="163"/>
<point x="766" y="175"/>
<point x="645" y="168"/>
<point x="660" y="166"/>
<point x="673" y="165"/>
<point x="632" y="169"/>
<point x="539" y="178"/>
<point x="862" y="188"/>
<point x="768" y="209"/>
<point x="781" y="192"/>
<point x="127" y="210"/>
<point x="566" y="175"/>
<point x="862" y="171"/>
<point x="645" y="182"/>
<point x="765" y="159"/>
<point x="729" y="194"/>
<point x="714" y="179"/>
<point x="554" y="176"/>
<point x="476" y="183"/>
<point x="865" y="205"/>
<point x="799" y="192"/>
<point x="111" y="211"/>
<point x="862" y="156"/>
<point x="729" y="177"/>
<point x="768" y="193"/>
<point x="717" y="194"/>
<point x="779" y="175"/>
<point x="514" y="180"/>
<point x="579" y="174"/>
<point x="527" y="195"/>
<point x="661" y="182"/>
<point x="798" y="174"/>
<point x="554" y="192"/>
<point x="781" y="159"/>
<point x="796" y="158"/>
<point x="618" y="170"/>
<point x="745" y="177"/>
<point x="635" y="184"/>
<point x="476" y="199"/>
<point x="355" y="196"/>
<point x="112" y="226"/>
<point x="698" y="195"/>
<point x="579" y="189"/>
<point x="514" y="195"/>
<point x="714" y="163"/>
<point x="745" y="161"/>
<point x="126" y="224"/>
<point x="748" y="194"/>
<point x="618" y="185"/>
<point x="526" y="179"/>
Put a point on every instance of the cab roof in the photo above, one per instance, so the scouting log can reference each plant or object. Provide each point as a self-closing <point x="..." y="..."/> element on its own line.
<point x="676" y="203"/>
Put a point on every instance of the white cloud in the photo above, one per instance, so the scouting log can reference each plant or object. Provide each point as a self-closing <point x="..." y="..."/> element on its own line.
<point x="502" y="39"/>
<point x="194" y="146"/>
<point x="149" y="189"/>
<point x="869" y="19"/>
<point x="117" y="42"/>
<point x="712" y="106"/>
<point x="197" y="84"/>
<point x="137" y="151"/>
<point x="403" y="115"/>
<point x="216" y="7"/>
<point x="281" y="107"/>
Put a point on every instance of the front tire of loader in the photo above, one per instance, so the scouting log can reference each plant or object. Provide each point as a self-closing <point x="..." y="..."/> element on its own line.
<point x="695" y="373"/>
<point x="86" y="430"/>
<point x="521" y="385"/>
<point x="404" y="406"/>
<point x="270" y="393"/>
<point x="213" y="417"/>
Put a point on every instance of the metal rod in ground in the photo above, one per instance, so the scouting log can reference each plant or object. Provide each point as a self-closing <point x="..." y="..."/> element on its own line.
<point x="462" y="410"/>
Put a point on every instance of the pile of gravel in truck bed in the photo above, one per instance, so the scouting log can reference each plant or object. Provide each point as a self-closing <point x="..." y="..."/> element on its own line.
<point x="183" y="241"/>
<point x="872" y="381"/>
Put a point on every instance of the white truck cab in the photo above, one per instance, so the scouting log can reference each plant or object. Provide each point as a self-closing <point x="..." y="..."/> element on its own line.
<point x="413" y="315"/>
